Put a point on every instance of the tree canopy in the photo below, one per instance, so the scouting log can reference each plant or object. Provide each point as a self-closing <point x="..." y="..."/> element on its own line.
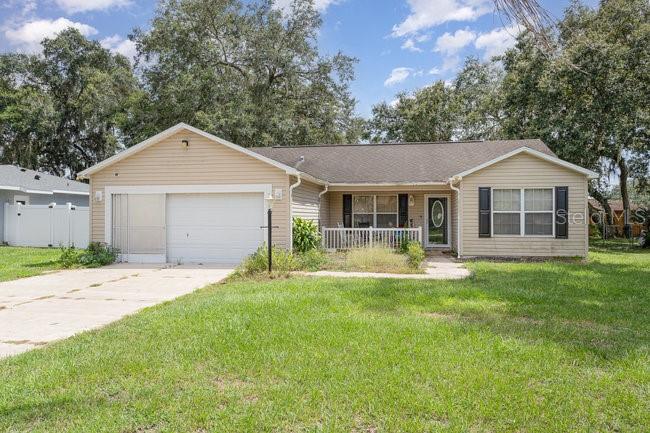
<point x="60" y="111"/>
<point x="254" y="73"/>
<point x="586" y="97"/>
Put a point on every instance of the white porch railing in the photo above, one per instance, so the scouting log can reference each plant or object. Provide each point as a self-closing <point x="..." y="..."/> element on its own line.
<point x="347" y="238"/>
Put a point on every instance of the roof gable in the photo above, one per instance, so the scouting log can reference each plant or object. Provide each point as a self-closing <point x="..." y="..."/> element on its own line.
<point x="526" y="150"/>
<point x="168" y="133"/>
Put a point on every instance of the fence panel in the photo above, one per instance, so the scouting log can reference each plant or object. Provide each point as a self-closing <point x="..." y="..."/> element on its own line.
<point x="43" y="225"/>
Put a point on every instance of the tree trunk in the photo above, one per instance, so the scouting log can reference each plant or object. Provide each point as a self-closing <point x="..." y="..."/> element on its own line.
<point x="625" y="196"/>
<point x="604" y="203"/>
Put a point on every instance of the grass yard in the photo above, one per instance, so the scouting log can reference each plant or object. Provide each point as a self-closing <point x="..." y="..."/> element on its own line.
<point x="20" y="262"/>
<point x="525" y="347"/>
<point x="370" y="260"/>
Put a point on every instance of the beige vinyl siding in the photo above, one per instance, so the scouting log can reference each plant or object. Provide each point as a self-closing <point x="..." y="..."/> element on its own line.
<point x="523" y="171"/>
<point x="304" y="201"/>
<point x="203" y="163"/>
<point x="416" y="214"/>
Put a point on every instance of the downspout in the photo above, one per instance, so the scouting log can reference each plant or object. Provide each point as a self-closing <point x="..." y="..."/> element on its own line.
<point x="291" y="188"/>
<point x="320" y="196"/>
<point x="459" y="209"/>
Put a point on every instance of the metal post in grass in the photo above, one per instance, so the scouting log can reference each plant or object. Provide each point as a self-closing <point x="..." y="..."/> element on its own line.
<point x="269" y="226"/>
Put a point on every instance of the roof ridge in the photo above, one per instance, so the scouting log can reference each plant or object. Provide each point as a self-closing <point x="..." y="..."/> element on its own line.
<point x="403" y="143"/>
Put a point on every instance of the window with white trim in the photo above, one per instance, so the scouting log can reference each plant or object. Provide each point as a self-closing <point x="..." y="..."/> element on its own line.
<point x="523" y="212"/>
<point x="506" y="211"/>
<point x="379" y="211"/>
<point x="538" y="209"/>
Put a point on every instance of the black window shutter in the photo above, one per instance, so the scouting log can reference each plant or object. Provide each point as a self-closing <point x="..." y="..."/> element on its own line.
<point x="562" y="212"/>
<point x="403" y="210"/>
<point x="347" y="210"/>
<point x="484" y="212"/>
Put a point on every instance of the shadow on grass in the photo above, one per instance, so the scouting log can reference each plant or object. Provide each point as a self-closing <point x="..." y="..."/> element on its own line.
<point x="599" y="308"/>
<point x="49" y="263"/>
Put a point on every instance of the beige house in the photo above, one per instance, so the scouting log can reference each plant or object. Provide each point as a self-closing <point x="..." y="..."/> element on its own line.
<point x="188" y="196"/>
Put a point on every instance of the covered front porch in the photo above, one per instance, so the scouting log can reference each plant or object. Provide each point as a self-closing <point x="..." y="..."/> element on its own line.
<point x="360" y="217"/>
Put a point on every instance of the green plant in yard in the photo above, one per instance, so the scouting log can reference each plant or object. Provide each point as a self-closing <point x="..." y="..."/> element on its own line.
<point x="305" y="235"/>
<point x="69" y="257"/>
<point x="97" y="254"/>
<point x="312" y="260"/>
<point x="415" y="254"/>
<point x="258" y="262"/>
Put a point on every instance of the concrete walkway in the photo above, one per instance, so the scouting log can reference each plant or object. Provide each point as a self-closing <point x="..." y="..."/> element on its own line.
<point x="35" y="311"/>
<point x="436" y="267"/>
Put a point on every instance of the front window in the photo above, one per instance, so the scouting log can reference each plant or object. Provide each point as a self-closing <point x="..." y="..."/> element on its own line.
<point x="527" y="211"/>
<point x="374" y="211"/>
<point x="507" y="211"/>
<point x="538" y="207"/>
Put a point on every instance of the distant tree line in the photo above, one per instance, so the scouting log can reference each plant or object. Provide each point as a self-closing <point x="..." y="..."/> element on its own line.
<point x="253" y="74"/>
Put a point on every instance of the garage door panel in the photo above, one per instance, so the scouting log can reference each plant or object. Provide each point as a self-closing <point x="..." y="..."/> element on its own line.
<point x="203" y="236"/>
<point x="215" y="228"/>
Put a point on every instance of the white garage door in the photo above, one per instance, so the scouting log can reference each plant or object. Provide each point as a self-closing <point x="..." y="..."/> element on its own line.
<point x="213" y="228"/>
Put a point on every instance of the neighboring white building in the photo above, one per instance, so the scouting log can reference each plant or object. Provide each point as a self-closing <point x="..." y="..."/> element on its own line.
<point x="29" y="187"/>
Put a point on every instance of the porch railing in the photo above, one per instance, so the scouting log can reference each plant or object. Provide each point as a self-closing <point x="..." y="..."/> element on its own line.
<point x="348" y="238"/>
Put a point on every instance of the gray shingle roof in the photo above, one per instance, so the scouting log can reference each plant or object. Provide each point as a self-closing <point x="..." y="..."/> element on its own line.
<point x="395" y="163"/>
<point x="13" y="176"/>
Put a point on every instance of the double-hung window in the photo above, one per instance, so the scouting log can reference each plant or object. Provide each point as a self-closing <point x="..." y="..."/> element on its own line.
<point x="379" y="211"/>
<point x="523" y="212"/>
<point x="506" y="205"/>
<point x="538" y="208"/>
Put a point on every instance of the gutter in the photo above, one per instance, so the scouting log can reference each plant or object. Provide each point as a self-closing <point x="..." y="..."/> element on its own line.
<point x="320" y="196"/>
<point x="459" y="210"/>
<point x="291" y="188"/>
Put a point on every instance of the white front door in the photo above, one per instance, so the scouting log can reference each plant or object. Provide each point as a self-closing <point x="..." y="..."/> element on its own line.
<point x="213" y="228"/>
<point x="437" y="231"/>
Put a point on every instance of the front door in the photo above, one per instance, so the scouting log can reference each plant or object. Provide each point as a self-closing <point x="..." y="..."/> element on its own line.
<point x="437" y="227"/>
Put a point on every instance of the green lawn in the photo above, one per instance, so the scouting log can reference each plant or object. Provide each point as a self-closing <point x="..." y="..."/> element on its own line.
<point x="19" y="262"/>
<point x="527" y="347"/>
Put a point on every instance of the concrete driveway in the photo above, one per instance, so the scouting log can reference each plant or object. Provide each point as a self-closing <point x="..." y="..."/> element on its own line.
<point x="35" y="311"/>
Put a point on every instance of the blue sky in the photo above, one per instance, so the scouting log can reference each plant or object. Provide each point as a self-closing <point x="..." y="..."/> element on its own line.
<point x="401" y="44"/>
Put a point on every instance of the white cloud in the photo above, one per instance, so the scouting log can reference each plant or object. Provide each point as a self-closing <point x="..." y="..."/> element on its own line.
<point x="28" y="36"/>
<point x="411" y="43"/>
<point x="73" y="6"/>
<point x="497" y="41"/>
<point x="398" y="75"/>
<point x="429" y="13"/>
<point x="434" y="71"/>
<point x="321" y="5"/>
<point x="120" y="45"/>
<point x="450" y="44"/>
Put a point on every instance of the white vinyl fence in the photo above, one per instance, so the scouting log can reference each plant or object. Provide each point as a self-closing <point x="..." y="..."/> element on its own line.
<point x="46" y="225"/>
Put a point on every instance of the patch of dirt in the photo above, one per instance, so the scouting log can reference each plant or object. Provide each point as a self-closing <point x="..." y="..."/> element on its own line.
<point x="73" y="290"/>
<point x="361" y="426"/>
<point x="224" y="383"/>
<point x="43" y="297"/>
<point x="95" y="284"/>
<point x="439" y="316"/>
